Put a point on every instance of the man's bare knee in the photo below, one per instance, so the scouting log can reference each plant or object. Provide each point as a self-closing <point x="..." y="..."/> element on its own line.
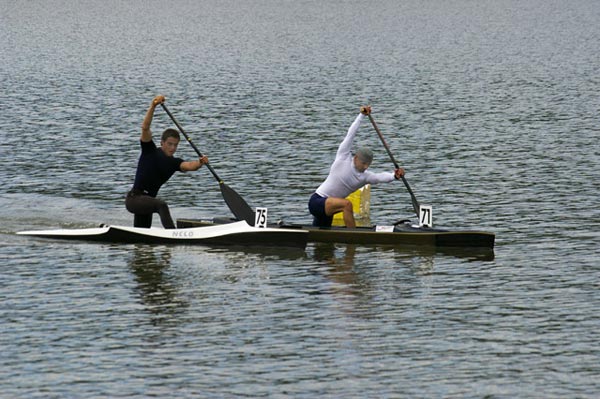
<point x="348" y="206"/>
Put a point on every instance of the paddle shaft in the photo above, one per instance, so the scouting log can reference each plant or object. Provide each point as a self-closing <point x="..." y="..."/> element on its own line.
<point x="189" y="140"/>
<point x="238" y="206"/>
<point x="415" y="203"/>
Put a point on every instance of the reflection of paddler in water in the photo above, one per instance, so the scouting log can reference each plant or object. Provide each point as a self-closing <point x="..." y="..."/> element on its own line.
<point x="352" y="289"/>
<point x="342" y="268"/>
<point x="326" y="252"/>
<point x="157" y="291"/>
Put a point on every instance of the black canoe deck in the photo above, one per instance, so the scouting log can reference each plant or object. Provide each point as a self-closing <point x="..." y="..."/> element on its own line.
<point x="402" y="234"/>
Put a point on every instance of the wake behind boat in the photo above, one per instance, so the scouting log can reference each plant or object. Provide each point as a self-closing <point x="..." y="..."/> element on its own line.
<point x="231" y="234"/>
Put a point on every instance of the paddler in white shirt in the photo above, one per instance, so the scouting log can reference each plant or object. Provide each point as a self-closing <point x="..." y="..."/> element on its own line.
<point x="347" y="174"/>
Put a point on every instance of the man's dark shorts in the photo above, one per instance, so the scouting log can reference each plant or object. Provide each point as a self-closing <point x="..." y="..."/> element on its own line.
<point x="316" y="206"/>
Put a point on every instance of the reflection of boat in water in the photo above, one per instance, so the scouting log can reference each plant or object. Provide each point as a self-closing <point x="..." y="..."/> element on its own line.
<point x="421" y="257"/>
<point x="467" y="253"/>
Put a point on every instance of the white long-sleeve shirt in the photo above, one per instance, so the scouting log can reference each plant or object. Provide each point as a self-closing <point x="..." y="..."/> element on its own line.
<point x="343" y="177"/>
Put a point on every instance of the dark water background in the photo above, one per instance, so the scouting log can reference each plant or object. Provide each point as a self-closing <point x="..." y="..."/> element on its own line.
<point x="491" y="106"/>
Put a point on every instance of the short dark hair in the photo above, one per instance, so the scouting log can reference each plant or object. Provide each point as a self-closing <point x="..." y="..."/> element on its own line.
<point x="365" y="154"/>
<point x="170" y="133"/>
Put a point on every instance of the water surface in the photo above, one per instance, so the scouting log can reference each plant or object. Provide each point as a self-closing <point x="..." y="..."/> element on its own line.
<point x="492" y="108"/>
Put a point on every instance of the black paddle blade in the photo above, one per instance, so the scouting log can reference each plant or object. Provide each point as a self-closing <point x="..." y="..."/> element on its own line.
<point x="236" y="203"/>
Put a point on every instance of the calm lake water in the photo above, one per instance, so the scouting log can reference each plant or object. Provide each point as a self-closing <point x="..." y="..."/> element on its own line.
<point x="491" y="106"/>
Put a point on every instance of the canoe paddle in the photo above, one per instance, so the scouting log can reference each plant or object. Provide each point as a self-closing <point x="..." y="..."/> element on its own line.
<point x="415" y="203"/>
<point x="234" y="201"/>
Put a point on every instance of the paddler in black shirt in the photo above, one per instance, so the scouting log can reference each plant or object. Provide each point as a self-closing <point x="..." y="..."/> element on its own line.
<point x="155" y="167"/>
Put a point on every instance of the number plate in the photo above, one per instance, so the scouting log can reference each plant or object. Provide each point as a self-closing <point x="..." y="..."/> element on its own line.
<point x="425" y="216"/>
<point x="260" y="218"/>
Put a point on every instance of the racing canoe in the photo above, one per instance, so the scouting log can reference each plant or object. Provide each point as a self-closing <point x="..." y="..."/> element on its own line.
<point x="400" y="234"/>
<point x="231" y="234"/>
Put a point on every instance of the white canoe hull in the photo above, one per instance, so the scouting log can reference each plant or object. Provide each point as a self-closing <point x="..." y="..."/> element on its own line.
<point x="238" y="233"/>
